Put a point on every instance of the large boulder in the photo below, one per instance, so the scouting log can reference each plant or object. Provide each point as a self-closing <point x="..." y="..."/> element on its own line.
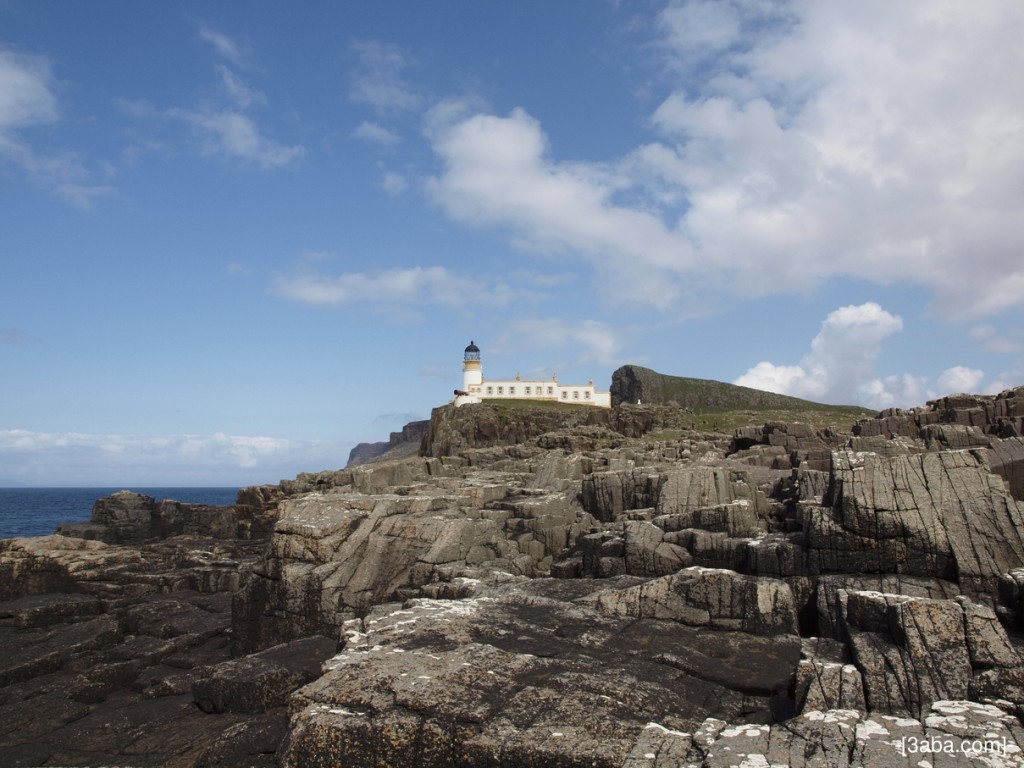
<point x="912" y="652"/>
<point x="708" y="597"/>
<point x="335" y="555"/>
<point x="942" y="515"/>
<point x="127" y="516"/>
<point x="42" y="564"/>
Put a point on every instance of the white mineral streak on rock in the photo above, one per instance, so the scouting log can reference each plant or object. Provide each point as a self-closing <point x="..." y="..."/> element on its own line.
<point x="669" y="731"/>
<point x="750" y="731"/>
<point x="868" y="728"/>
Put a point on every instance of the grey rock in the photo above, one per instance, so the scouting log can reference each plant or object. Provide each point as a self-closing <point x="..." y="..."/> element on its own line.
<point x="261" y="681"/>
<point x="606" y="495"/>
<point x="127" y="515"/>
<point x="825" y="685"/>
<point x="523" y="676"/>
<point x="940" y="515"/>
<point x="912" y="652"/>
<point x="1006" y="459"/>
<point x="708" y="597"/>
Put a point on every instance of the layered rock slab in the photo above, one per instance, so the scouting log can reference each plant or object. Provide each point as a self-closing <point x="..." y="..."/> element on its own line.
<point x="335" y="554"/>
<point x="938" y="515"/>
<point x="530" y="674"/>
<point x="526" y="672"/>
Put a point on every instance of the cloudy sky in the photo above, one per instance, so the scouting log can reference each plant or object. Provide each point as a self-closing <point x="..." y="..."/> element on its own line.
<point x="236" y="239"/>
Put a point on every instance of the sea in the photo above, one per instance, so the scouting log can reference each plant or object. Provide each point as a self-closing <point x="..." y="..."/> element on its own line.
<point x="38" y="511"/>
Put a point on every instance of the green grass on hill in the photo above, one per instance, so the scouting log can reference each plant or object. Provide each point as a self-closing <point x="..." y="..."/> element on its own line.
<point x="723" y="419"/>
<point x="718" y="406"/>
<point x="819" y="417"/>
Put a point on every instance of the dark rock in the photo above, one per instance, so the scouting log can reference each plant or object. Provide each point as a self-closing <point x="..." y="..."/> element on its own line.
<point x="48" y="609"/>
<point x="127" y="515"/>
<point x="250" y="743"/>
<point x="937" y="515"/>
<point x="259" y="682"/>
<point x="97" y="638"/>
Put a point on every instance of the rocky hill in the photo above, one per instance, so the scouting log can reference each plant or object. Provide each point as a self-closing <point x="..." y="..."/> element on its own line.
<point x="405" y="442"/>
<point x="549" y="586"/>
<point x="634" y="384"/>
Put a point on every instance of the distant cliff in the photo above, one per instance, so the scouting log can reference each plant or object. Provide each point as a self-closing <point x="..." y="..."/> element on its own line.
<point x="401" y="444"/>
<point x="632" y="383"/>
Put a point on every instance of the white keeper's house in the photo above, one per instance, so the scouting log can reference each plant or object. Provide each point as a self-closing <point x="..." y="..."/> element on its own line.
<point x="476" y="389"/>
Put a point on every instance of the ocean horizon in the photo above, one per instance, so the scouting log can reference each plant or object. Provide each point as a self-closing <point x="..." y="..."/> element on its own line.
<point x="26" y="511"/>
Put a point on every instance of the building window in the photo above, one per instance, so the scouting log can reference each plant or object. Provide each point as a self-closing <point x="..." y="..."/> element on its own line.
<point x="586" y="395"/>
<point x="565" y="395"/>
<point x="490" y="390"/>
<point x="575" y="394"/>
<point x="551" y="390"/>
<point x="527" y="390"/>
<point x="511" y="390"/>
<point x="501" y="390"/>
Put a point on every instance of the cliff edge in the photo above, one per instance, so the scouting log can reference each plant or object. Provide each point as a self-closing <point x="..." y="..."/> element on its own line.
<point x="552" y="586"/>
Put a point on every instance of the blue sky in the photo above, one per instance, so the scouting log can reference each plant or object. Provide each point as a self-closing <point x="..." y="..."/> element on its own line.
<point x="236" y="239"/>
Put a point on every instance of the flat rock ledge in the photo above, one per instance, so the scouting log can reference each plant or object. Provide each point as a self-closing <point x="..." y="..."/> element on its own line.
<point x="534" y="674"/>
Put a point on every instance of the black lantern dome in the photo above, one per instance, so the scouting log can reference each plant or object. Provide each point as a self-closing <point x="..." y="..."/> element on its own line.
<point x="472" y="352"/>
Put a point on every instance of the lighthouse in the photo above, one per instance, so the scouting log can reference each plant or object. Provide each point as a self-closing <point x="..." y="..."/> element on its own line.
<point x="472" y="373"/>
<point x="476" y="390"/>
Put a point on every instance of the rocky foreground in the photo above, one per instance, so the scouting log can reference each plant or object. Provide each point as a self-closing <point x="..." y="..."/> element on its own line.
<point x="548" y="588"/>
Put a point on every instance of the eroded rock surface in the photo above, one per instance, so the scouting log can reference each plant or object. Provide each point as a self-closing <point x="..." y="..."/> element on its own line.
<point x="114" y="652"/>
<point x="547" y="587"/>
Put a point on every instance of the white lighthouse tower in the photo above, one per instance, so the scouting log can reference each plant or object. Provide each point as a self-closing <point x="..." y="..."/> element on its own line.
<point x="472" y="377"/>
<point x="472" y="372"/>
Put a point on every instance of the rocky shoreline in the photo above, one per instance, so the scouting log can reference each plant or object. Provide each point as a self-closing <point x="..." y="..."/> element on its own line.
<point x="546" y="588"/>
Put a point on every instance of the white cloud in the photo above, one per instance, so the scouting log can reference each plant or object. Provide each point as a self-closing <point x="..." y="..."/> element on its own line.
<point x="896" y="391"/>
<point x="803" y="141"/>
<point x="960" y="379"/>
<point x="841" y="366"/>
<point x="1006" y="343"/>
<point x="393" y="183"/>
<point x="223" y="125"/>
<point x="84" y="196"/>
<point x="47" y="458"/>
<point x="864" y="139"/>
<point x="1005" y="380"/>
<point x="585" y="341"/>
<point x="224" y="46"/>
<point x="407" y="287"/>
<point x="378" y="79"/>
<point x="841" y="361"/>
<point x="26" y="97"/>
<point x="26" y="101"/>
<point x="238" y="90"/>
<point x="376" y="134"/>
<point x="781" y="379"/>
<point x="235" y="134"/>
<point x="497" y="173"/>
